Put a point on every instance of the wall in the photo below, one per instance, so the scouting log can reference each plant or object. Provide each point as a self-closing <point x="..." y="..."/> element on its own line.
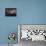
<point x="28" y="12"/>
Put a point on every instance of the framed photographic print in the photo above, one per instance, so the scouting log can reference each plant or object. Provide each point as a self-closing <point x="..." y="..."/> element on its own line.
<point x="10" y="11"/>
<point x="32" y="32"/>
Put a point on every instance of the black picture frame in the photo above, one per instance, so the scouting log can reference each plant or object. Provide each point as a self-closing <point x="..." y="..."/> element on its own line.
<point x="10" y="12"/>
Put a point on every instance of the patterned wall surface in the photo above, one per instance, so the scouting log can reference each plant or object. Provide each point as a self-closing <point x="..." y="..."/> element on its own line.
<point x="33" y="27"/>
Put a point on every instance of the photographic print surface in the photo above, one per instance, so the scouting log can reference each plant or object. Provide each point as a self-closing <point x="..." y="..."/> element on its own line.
<point x="10" y="11"/>
<point x="32" y="35"/>
<point x="33" y="32"/>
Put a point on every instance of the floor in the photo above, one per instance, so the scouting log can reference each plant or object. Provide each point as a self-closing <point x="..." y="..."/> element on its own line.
<point x="30" y="43"/>
<point x="7" y="45"/>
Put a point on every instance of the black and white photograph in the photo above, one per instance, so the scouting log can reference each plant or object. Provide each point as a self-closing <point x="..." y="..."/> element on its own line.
<point x="32" y="34"/>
